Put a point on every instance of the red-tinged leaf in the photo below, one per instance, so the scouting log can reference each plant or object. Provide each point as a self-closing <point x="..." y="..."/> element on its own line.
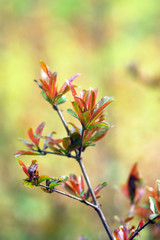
<point x="99" y="125"/>
<point x="132" y="182"/>
<point x="81" y="103"/>
<point x="55" y="149"/>
<point x="120" y="234"/>
<point x="63" y="88"/>
<point x="99" y="187"/>
<point x="32" y="137"/>
<point x="91" y="101"/>
<point x="153" y="205"/>
<point x="76" y="107"/>
<point x="125" y="190"/>
<point x="76" y="129"/>
<point x="103" y="101"/>
<point x="73" y="91"/>
<point x="84" y="95"/>
<point x="53" y="86"/>
<point x="128" y="219"/>
<point x="134" y="171"/>
<point x="54" y="142"/>
<point x="32" y="170"/>
<point x="86" y="118"/>
<point x="45" y="87"/>
<point x="43" y="178"/>
<point x="141" y="224"/>
<point x="21" y="152"/>
<point x="100" y="133"/>
<point x="75" y="185"/>
<point x="28" y="184"/>
<point x="100" y="111"/>
<point x="40" y="128"/>
<point x="69" y="188"/>
<point x="25" y="169"/>
<point x="73" y="177"/>
<point x="45" y="68"/>
<point x="27" y="143"/>
<point x="66" y="143"/>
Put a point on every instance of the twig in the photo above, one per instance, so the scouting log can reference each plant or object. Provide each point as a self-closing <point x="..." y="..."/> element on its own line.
<point x="48" y="152"/>
<point x="70" y="196"/>
<point x="98" y="209"/>
<point x="150" y="221"/>
<point x="79" y="160"/>
<point x="62" y="118"/>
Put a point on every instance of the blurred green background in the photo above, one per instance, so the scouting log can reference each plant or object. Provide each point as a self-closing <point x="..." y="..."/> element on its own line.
<point x="116" y="46"/>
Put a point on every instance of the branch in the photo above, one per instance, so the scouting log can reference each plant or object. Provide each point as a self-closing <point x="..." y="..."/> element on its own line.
<point x="98" y="208"/>
<point x="62" y="118"/>
<point x="150" y="221"/>
<point x="79" y="160"/>
<point x="49" y="152"/>
<point x="70" y="196"/>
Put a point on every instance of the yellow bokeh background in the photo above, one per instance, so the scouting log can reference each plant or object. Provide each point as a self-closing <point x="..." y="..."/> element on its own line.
<point x="105" y="41"/>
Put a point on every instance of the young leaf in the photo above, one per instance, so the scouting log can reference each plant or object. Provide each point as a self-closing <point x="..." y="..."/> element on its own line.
<point x="44" y="68"/>
<point x="28" y="184"/>
<point x="40" y="128"/>
<point x="153" y="206"/>
<point x="43" y="178"/>
<point x="63" y="178"/>
<point x="21" y="152"/>
<point x="71" y="112"/>
<point x="66" y="142"/>
<point x="82" y="192"/>
<point x="23" y="167"/>
<point x="99" y="187"/>
<point x="61" y="100"/>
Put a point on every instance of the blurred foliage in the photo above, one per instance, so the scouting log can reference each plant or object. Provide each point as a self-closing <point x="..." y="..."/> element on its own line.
<point x="102" y="40"/>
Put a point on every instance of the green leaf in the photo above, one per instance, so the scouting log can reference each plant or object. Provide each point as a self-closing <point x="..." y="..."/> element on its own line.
<point x="71" y="112"/>
<point x="154" y="215"/>
<point x="63" y="178"/>
<point x="75" y="128"/>
<point x="99" y="187"/>
<point x="99" y="134"/>
<point x="52" y="185"/>
<point x="100" y="124"/>
<point x="61" y="100"/>
<point x="86" y="117"/>
<point x="45" y="97"/>
<point x="153" y="206"/>
<point x="82" y="192"/>
<point x="43" y="178"/>
<point x="66" y="142"/>
<point x="103" y="101"/>
<point x="28" y="184"/>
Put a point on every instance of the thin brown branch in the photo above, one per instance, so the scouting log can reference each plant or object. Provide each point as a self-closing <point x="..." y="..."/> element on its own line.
<point x="138" y="230"/>
<point x="62" y="118"/>
<point x="43" y="152"/>
<point x="70" y="196"/>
